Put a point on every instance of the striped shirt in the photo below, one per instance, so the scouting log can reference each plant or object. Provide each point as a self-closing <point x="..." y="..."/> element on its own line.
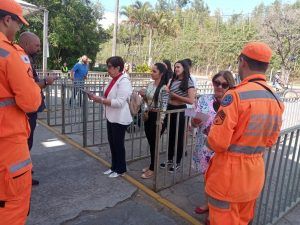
<point x="176" y="89"/>
<point x="163" y="97"/>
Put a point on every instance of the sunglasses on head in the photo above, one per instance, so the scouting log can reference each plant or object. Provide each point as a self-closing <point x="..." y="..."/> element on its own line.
<point x="218" y="84"/>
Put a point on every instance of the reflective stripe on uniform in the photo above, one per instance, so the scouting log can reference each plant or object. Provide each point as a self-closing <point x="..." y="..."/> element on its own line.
<point x="3" y="53"/>
<point x="19" y="166"/>
<point x="218" y="203"/>
<point x="256" y="94"/>
<point x="246" y="149"/>
<point x="7" y="102"/>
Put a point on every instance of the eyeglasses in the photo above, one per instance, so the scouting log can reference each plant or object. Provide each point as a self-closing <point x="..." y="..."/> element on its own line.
<point x="218" y="84"/>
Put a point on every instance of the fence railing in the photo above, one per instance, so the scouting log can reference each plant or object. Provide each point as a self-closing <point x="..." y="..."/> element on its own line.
<point x="71" y="111"/>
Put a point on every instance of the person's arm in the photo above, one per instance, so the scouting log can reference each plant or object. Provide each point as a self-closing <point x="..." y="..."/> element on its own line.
<point x="73" y="70"/>
<point x="221" y="132"/>
<point x="46" y="81"/>
<point x="187" y="100"/>
<point x="26" y="92"/>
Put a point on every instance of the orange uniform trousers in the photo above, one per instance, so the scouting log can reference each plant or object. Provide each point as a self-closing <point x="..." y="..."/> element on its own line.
<point x="15" y="191"/>
<point x="235" y="214"/>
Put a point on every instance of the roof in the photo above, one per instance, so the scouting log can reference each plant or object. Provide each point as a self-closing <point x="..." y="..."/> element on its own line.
<point x="28" y="8"/>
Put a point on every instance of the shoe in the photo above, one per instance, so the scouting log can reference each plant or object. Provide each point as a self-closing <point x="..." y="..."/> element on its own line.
<point x="114" y="175"/>
<point x="199" y="210"/>
<point x="164" y="164"/>
<point x="172" y="169"/>
<point x="107" y="172"/>
<point x="35" y="182"/>
<point x="145" y="169"/>
<point x="148" y="174"/>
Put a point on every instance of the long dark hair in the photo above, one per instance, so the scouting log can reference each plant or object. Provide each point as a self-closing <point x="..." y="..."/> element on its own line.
<point x="169" y="68"/>
<point x="163" y="71"/>
<point x="186" y="75"/>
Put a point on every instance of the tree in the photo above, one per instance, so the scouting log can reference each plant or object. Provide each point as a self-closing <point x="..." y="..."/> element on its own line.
<point x="282" y="32"/>
<point x="74" y="29"/>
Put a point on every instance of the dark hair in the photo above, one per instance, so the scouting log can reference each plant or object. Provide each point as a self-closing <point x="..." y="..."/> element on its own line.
<point x="163" y="81"/>
<point x="227" y="75"/>
<point x="116" y="61"/>
<point x="188" y="61"/>
<point x="255" y="65"/>
<point x="169" y="69"/>
<point x="186" y="75"/>
<point x="4" y="13"/>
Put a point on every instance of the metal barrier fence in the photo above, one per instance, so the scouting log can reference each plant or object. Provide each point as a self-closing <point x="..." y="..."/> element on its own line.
<point x="71" y="110"/>
<point x="282" y="183"/>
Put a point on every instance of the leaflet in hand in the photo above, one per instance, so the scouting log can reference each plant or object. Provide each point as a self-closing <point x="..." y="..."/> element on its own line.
<point x="199" y="115"/>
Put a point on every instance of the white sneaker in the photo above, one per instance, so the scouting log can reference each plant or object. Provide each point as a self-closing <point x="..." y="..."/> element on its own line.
<point x="107" y="172"/>
<point x="114" y="175"/>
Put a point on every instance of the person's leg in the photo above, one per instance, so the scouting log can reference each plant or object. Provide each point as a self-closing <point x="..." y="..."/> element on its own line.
<point x="152" y="137"/>
<point x="180" y="141"/>
<point x="118" y="137"/>
<point x="226" y="213"/>
<point x="14" y="210"/>
<point x="172" y="135"/>
<point x="111" y="145"/>
<point x="32" y="117"/>
<point x="222" y="212"/>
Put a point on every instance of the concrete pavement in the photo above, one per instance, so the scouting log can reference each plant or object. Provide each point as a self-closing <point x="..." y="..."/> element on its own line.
<point x="73" y="190"/>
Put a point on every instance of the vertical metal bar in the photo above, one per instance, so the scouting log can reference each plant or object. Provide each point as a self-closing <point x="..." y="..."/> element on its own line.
<point x="176" y="147"/>
<point x="288" y="193"/>
<point x="93" y="123"/>
<point x="156" y="158"/>
<point x="278" y="176"/>
<point x="267" y="181"/>
<point x="63" y="119"/>
<point x="85" y="115"/>
<point x="296" y="168"/>
<point x="48" y="104"/>
<point x="284" y="175"/>
<point x="270" y="181"/>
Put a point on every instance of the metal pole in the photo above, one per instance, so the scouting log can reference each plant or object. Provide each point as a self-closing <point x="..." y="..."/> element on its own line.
<point x="45" y="40"/>
<point x="114" y="44"/>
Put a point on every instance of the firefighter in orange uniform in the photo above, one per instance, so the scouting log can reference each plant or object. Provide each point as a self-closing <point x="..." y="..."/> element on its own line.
<point x="249" y="122"/>
<point x="18" y="95"/>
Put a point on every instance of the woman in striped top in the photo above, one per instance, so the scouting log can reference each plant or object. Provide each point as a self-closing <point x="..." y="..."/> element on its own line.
<point x="157" y="98"/>
<point x="182" y="92"/>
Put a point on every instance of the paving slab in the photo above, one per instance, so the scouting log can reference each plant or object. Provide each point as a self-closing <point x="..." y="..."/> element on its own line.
<point x="70" y="182"/>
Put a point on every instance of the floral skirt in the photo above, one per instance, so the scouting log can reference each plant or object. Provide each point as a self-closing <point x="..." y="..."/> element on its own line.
<point x="201" y="155"/>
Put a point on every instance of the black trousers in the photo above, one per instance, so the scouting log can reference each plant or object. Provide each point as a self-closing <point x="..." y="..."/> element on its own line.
<point x="150" y="131"/>
<point x="116" y="137"/>
<point x="172" y="133"/>
<point x="32" y="117"/>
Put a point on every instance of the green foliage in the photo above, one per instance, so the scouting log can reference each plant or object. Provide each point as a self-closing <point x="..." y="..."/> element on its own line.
<point x="74" y="29"/>
<point x="144" y="68"/>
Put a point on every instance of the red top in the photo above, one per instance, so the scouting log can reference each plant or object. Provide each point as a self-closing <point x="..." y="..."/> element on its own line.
<point x="111" y="84"/>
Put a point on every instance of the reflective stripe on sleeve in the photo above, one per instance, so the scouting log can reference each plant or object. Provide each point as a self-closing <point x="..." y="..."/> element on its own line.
<point x="218" y="203"/>
<point x="246" y="95"/>
<point x="246" y="149"/>
<point x="3" y="53"/>
<point x="16" y="167"/>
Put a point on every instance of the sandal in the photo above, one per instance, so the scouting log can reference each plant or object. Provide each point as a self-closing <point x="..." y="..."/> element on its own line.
<point x="147" y="174"/>
<point x="199" y="210"/>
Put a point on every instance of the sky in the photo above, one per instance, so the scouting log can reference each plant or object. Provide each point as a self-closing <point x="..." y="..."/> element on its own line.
<point x="227" y="7"/>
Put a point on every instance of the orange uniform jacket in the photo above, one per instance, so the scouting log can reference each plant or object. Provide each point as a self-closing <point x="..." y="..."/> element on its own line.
<point x="247" y="122"/>
<point x="21" y="95"/>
